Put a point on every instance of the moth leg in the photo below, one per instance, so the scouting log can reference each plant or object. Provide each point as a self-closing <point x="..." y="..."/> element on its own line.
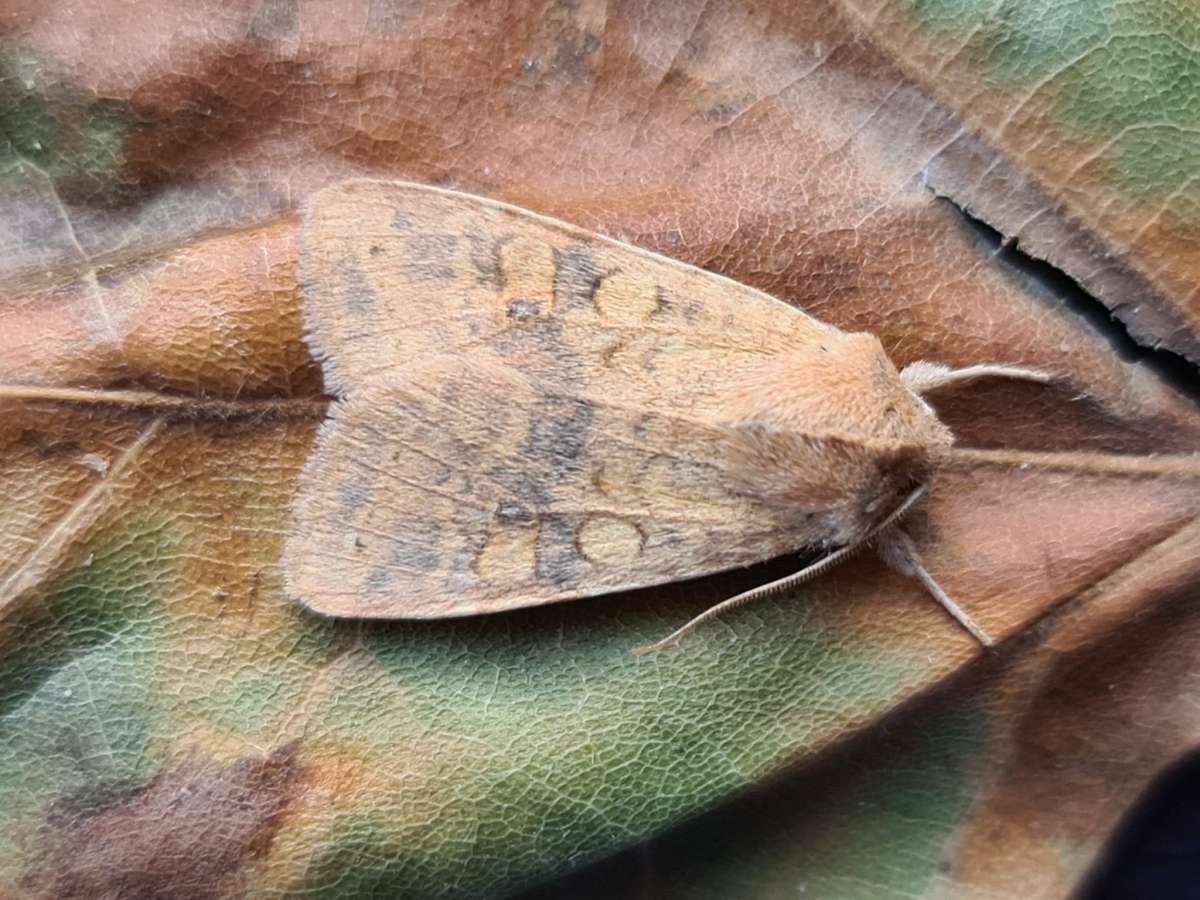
<point x="921" y="377"/>
<point x="897" y="550"/>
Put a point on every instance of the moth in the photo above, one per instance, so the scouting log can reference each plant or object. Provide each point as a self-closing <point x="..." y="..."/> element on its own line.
<point x="530" y="413"/>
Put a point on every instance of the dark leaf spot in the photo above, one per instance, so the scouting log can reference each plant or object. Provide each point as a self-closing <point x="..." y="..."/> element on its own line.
<point x="721" y="113"/>
<point x="185" y="834"/>
<point x="275" y="20"/>
<point x="391" y="16"/>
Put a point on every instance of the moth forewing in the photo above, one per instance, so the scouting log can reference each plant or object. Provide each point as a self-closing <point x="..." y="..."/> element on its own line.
<point x="464" y="486"/>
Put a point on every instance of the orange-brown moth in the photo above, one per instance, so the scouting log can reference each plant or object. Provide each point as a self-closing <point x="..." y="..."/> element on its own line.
<point x="531" y="413"/>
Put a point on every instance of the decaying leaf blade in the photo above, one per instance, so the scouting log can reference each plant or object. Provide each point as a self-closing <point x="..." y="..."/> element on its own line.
<point x="776" y="144"/>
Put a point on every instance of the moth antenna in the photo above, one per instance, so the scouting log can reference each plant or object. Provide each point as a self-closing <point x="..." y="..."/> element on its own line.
<point x="897" y="550"/>
<point x="808" y="573"/>
<point x="921" y="377"/>
<point x="1187" y="466"/>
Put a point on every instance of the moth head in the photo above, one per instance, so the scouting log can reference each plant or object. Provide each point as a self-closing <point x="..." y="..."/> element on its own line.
<point x="829" y="430"/>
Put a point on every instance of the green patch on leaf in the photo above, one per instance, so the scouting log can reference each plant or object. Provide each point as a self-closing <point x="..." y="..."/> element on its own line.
<point x="110" y="595"/>
<point x="78" y="714"/>
<point x="872" y="821"/>
<point x="1124" y="77"/>
<point x="81" y="740"/>
<point x="624" y="746"/>
<point x="359" y="861"/>
<point x="76" y="139"/>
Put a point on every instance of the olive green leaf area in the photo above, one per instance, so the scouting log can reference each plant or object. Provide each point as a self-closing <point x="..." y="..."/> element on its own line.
<point x="873" y="820"/>
<point x="75" y="138"/>
<point x="1094" y="105"/>
<point x="1124" y="75"/>
<point x="174" y="725"/>
<point x="999" y="784"/>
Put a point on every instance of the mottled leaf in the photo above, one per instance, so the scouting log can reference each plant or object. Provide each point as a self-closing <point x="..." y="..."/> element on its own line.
<point x="157" y="402"/>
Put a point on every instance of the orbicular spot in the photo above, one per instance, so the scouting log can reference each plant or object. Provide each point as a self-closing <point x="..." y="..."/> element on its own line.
<point x="524" y="277"/>
<point x="626" y="298"/>
<point x="608" y="540"/>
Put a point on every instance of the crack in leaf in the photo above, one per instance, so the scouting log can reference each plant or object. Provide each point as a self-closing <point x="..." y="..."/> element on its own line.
<point x="1172" y="368"/>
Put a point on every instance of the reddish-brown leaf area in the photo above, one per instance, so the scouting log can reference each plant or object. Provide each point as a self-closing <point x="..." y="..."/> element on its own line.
<point x="158" y="400"/>
<point x="185" y="834"/>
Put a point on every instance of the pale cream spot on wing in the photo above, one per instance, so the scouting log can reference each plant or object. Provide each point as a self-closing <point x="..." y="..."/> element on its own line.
<point x="509" y="554"/>
<point x="605" y="540"/>
<point x="527" y="267"/>
<point x="626" y="298"/>
<point x="682" y="483"/>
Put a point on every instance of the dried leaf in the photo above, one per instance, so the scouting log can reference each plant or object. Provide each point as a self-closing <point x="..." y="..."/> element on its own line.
<point x="151" y="171"/>
<point x="1079" y="138"/>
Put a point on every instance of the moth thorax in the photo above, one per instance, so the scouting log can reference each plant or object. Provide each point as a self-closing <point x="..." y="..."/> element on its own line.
<point x="830" y="427"/>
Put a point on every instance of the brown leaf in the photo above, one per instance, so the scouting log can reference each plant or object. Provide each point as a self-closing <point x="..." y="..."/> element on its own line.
<point x="154" y="168"/>
<point x="184" y="834"/>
